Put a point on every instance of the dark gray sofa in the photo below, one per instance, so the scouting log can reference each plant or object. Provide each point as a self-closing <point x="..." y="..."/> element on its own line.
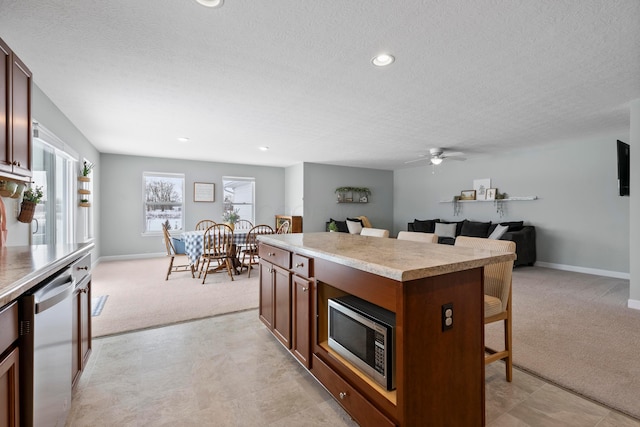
<point x="523" y="235"/>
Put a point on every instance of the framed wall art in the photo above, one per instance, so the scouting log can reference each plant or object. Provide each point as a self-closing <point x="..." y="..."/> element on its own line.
<point x="204" y="192"/>
<point x="468" y="195"/>
<point x="491" y="193"/>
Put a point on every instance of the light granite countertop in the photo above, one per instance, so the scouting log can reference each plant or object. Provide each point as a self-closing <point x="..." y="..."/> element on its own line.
<point x="400" y="260"/>
<point x="23" y="267"/>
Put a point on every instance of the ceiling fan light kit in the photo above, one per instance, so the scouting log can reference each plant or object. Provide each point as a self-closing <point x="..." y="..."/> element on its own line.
<point x="437" y="155"/>
<point x="211" y="3"/>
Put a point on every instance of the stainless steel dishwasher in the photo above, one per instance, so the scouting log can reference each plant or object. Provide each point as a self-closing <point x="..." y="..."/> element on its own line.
<point x="45" y="351"/>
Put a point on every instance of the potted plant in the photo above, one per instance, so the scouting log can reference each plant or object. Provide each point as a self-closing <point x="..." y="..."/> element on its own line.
<point x="230" y="217"/>
<point x="30" y="198"/>
<point x="86" y="170"/>
<point x="333" y="226"/>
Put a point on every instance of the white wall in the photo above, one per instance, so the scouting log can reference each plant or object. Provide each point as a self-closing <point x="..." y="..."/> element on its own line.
<point x="320" y="182"/>
<point x="580" y="219"/>
<point x="294" y="191"/>
<point x="121" y="198"/>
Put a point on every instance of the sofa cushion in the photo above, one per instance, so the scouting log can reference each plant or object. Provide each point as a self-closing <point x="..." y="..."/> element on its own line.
<point x="445" y="229"/>
<point x="342" y="225"/>
<point x="514" y="225"/>
<point x="425" y="225"/>
<point x="498" y="231"/>
<point x="458" y="225"/>
<point x="475" y="228"/>
<point x="355" y="227"/>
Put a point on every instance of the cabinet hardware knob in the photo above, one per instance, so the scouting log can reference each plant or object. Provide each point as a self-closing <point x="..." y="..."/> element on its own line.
<point x="300" y="264"/>
<point x="83" y="268"/>
<point x="342" y="395"/>
<point x="305" y="289"/>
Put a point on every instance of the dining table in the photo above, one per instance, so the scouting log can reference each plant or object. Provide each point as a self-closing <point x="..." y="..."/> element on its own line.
<point x="194" y="246"/>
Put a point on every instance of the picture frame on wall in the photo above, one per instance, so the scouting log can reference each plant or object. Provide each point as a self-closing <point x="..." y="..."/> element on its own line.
<point x="468" y="195"/>
<point x="481" y="186"/>
<point x="491" y="193"/>
<point x="204" y="192"/>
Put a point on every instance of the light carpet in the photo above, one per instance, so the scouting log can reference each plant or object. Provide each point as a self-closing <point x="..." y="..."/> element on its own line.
<point x="576" y="331"/>
<point x="139" y="296"/>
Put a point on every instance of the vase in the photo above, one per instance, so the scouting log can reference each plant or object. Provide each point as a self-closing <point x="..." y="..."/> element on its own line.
<point x="231" y="225"/>
<point x="27" y="209"/>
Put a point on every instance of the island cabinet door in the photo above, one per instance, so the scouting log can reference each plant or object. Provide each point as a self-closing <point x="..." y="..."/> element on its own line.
<point x="266" y="293"/>
<point x="9" y="401"/>
<point x="301" y="346"/>
<point x="282" y="305"/>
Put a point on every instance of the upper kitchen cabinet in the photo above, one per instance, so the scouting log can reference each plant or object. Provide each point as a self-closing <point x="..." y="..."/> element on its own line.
<point x="15" y="116"/>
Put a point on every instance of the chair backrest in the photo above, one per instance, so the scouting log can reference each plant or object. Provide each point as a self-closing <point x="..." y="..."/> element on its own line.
<point x="258" y="230"/>
<point x="218" y="239"/>
<point x="374" y="232"/>
<point x="284" y="227"/>
<point x="171" y="250"/>
<point x="204" y="224"/>
<point x="243" y="224"/>
<point x="417" y="236"/>
<point x="497" y="277"/>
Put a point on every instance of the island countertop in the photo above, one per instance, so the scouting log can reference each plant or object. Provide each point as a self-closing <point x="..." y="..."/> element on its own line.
<point x="23" y="267"/>
<point x="400" y="260"/>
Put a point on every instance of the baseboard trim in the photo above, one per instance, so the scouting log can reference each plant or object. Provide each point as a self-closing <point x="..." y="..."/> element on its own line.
<point x="634" y="303"/>
<point x="130" y="257"/>
<point x="576" y="269"/>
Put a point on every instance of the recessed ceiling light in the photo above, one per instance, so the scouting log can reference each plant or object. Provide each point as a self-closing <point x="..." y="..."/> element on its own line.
<point x="183" y="139"/>
<point x="265" y="148"/>
<point x="211" y="3"/>
<point x="383" y="60"/>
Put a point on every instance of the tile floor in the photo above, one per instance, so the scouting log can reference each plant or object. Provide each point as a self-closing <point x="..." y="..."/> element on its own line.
<point x="230" y="371"/>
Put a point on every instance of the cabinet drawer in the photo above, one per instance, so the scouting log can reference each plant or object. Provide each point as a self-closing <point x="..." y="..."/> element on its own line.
<point x="302" y="265"/>
<point x="8" y="326"/>
<point x="81" y="268"/>
<point x="277" y="256"/>
<point x="353" y="402"/>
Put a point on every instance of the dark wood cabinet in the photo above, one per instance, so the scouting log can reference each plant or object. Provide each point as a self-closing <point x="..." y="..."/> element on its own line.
<point x="275" y="292"/>
<point x="15" y="113"/>
<point x="301" y="345"/>
<point x="295" y="222"/>
<point x="9" y="367"/>
<point x="81" y="333"/>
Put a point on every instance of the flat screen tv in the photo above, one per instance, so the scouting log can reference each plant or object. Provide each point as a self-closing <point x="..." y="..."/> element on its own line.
<point x="624" y="162"/>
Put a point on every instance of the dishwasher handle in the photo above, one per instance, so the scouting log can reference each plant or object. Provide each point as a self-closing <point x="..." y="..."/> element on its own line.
<point x="53" y="292"/>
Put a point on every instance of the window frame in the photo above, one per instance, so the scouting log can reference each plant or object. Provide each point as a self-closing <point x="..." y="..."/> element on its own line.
<point x="182" y="204"/>
<point x="252" y="204"/>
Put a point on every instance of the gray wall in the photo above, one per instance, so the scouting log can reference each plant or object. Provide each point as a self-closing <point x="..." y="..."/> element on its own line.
<point x="121" y="196"/>
<point x="320" y="182"/>
<point x="634" y="249"/>
<point x="580" y="219"/>
<point x="50" y="116"/>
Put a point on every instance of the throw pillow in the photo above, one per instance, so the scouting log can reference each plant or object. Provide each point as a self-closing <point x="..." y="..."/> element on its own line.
<point x="498" y="232"/>
<point x="178" y="245"/>
<point x="425" y="225"/>
<point x="475" y="229"/>
<point x="355" y="227"/>
<point x="342" y="225"/>
<point x="445" y="230"/>
<point x="513" y="225"/>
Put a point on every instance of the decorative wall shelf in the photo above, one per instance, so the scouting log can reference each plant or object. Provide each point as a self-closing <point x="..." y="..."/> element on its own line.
<point x="353" y="194"/>
<point x="84" y="191"/>
<point x="509" y="199"/>
<point x="498" y="203"/>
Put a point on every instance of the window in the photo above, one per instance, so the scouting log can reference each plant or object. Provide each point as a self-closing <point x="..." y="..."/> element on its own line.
<point x="239" y="194"/>
<point x="163" y="201"/>
<point x="54" y="166"/>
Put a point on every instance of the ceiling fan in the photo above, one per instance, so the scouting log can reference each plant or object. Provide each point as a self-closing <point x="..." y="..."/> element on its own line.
<point x="437" y="155"/>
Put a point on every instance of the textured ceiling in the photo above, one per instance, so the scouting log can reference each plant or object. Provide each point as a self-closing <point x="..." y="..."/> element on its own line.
<point x="472" y="76"/>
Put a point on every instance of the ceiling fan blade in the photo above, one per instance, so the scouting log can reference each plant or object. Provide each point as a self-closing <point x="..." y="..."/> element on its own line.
<point x="417" y="160"/>
<point x="460" y="159"/>
<point x="452" y="154"/>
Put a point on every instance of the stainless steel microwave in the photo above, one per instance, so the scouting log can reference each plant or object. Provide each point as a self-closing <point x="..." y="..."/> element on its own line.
<point x="364" y="334"/>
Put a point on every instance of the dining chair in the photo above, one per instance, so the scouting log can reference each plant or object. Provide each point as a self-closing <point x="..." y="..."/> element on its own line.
<point x="374" y="232"/>
<point x="417" y="236"/>
<point x="251" y="246"/>
<point x="497" y="295"/>
<point x="204" y="224"/>
<point x="218" y="245"/>
<point x="284" y="228"/>
<point x="182" y="259"/>
<point x="243" y="224"/>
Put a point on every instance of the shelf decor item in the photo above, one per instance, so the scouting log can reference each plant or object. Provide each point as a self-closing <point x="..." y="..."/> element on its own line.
<point x="230" y="217"/>
<point x="86" y="168"/>
<point x="348" y="194"/>
<point x="468" y="195"/>
<point x="30" y="199"/>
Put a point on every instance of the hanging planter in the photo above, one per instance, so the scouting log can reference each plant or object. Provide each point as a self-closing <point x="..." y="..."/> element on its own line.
<point x="30" y="199"/>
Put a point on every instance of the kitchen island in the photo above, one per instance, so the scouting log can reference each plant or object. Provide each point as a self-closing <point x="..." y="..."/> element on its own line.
<point x="439" y="367"/>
